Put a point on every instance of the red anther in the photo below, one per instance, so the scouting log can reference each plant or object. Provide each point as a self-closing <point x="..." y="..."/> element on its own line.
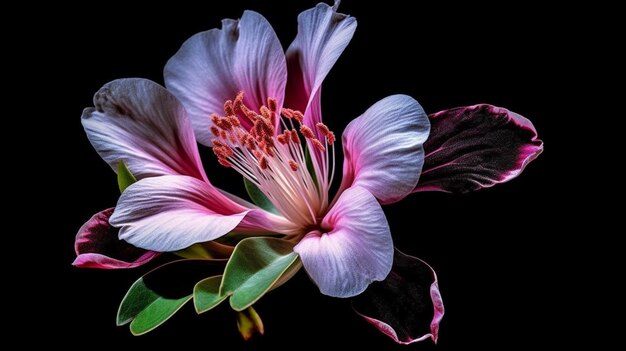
<point x="215" y="131"/>
<point x="249" y="113"/>
<point x="251" y="144"/>
<point x="217" y="142"/>
<point x="330" y="137"/>
<point x="215" y="118"/>
<point x="224" y="123"/>
<point x="282" y="139"/>
<point x="272" y="104"/>
<point x="234" y="120"/>
<point x="307" y="132"/>
<point x="263" y="162"/>
<point x="232" y="139"/>
<point x="238" y="101"/>
<point x="298" y="116"/>
<point x="322" y="128"/>
<point x="293" y="165"/>
<point x="294" y="136"/>
<point x="257" y="154"/>
<point x="265" y="112"/>
<point x="223" y="162"/>
<point x="288" y="113"/>
<point x="259" y="132"/>
<point x="268" y="128"/>
<point x="223" y="134"/>
<point x="223" y="151"/>
<point x="318" y="145"/>
<point x="228" y="108"/>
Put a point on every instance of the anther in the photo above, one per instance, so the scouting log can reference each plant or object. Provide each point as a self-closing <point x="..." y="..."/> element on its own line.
<point x="307" y="132"/>
<point x="318" y="145"/>
<point x="293" y="165"/>
<point x="215" y="131"/>
<point x="228" y="108"/>
<point x="272" y="104"/>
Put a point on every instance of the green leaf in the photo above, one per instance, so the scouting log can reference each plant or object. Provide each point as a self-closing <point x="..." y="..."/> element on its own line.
<point x="255" y="266"/>
<point x="258" y="197"/>
<point x="156" y="296"/>
<point x="156" y="314"/>
<point x="206" y="294"/>
<point x="124" y="177"/>
<point x="138" y="297"/>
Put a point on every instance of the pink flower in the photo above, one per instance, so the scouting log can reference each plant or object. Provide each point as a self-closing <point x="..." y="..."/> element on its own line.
<point x="235" y="90"/>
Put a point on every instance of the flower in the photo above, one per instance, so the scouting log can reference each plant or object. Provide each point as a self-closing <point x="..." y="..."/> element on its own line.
<point x="235" y="90"/>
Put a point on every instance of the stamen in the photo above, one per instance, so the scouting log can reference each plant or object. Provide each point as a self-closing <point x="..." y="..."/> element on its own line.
<point x="298" y="116"/>
<point x="228" y="108"/>
<point x="265" y="112"/>
<point x="293" y="165"/>
<point x="273" y="161"/>
<point x="307" y="132"/>
<point x="323" y="128"/>
<point x="288" y="113"/>
<point x="272" y="104"/>
<point x="318" y="145"/>
<point x="294" y="137"/>
<point x="282" y="139"/>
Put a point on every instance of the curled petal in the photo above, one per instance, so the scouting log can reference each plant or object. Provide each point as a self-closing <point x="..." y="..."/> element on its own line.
<point x="214" y="66"/>
<point x="97" y="246"/>
<point x="323" y="34"/>
<point x="383" y="148"/>
<point x="407" y="305"/>
<point x="355" y="250"/>
<point x="139" y="122"/>
<point x="170" y="213"/>
<point x="476" y="147"/>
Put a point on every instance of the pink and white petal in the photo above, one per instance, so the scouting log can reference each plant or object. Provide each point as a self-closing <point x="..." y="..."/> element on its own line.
<point x="476" y="147"/>
<point x="97" y="246"/>
<point x="407" y="306"/>
<point x="214" y="66"/>
<point x="139" y="122"/>
<point x="383" y="148"/>
<point x="323" y="34"/>
<point x="355" y="250"/>
<point x="170" y="213"/>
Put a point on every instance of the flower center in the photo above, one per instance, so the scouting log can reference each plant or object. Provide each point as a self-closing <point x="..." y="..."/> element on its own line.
<point x="291" y="168"/>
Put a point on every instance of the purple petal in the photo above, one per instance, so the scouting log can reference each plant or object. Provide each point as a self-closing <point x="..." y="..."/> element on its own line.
<point x="355" y="249"/>
<point x="407" y="306"/>
<point x="476" y="147"/>
<point x="383" y="148"/>
<point x="214" y="66"/>
<point x="97" y="246"/>
<point x="323" y="34"/>
<point x="139" y="122"/>
<point x="170" y="213"/>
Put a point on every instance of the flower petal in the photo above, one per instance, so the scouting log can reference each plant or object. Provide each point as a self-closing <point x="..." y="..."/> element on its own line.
<point x="383" y="148"/>
<point x="323" y="34"/>
<point x="476" y="147"/>
<point x="170" y="213"/>
<point x="214" y="66"/>
<point x="97" y="246"/>
<point x="407" y="306"/>
<point x="139" y="122"/>
<point x="356" y="250"/>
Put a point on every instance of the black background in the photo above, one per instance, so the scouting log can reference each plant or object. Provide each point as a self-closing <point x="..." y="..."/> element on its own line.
<point x="496" y="262"/>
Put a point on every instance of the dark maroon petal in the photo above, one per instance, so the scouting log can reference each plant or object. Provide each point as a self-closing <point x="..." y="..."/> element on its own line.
<point x="97" y="246"/>
<point x="476" y="147"/>
<point x="407" y="305"/>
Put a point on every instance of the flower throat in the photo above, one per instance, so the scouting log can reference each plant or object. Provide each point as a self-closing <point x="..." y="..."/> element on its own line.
<point x="277" y="162"/>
